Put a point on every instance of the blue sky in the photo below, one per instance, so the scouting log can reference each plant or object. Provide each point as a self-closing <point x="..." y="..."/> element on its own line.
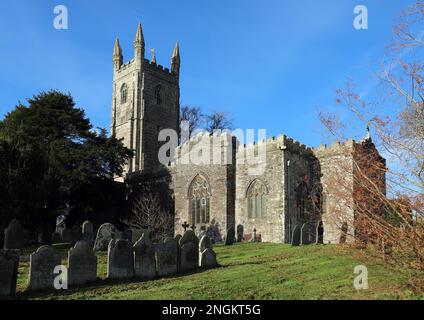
<point x="269" y="64"/>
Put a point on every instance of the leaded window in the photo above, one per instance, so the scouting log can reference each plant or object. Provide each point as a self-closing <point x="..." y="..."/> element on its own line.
<point x="199" y="197"/>
<point x="257" y="197"/>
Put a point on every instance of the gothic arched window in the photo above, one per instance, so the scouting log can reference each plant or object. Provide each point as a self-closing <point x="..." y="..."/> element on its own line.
<point x="199" y="200"/>
<point x="124" y="93"/>
<point x="158" y="93"/>
<point x="257" y="197"/>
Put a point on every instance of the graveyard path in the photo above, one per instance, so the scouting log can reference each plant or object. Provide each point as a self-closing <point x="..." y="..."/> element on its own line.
<point x="254" y="271"/>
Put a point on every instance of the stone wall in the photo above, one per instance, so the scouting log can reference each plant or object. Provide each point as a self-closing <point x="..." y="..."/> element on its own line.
<point x="219" y="177"/>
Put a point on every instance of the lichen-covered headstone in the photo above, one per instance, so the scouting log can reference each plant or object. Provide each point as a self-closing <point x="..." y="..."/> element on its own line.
<point x="14" y="236"/>
<point x="229" y="241"/>
<point x="189" y="251"/>
<point x="120" y="260"/>
<point x="41" y="267"/>
<point x="9" y="262"/>
<point x="296" y="236"/>
<point x="105" y="233"/>
<point x="144" y="258"/>
<point x="82" y="264"/>
<point x="166" y="257"/>
<point x="87" y="232"/>
<point x="208" y="258"/>
<point x="205" y="243"/>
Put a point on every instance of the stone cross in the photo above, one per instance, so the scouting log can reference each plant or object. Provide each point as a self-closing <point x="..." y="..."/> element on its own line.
<point x="193" y="227"/>
<point x="185" y="225"/>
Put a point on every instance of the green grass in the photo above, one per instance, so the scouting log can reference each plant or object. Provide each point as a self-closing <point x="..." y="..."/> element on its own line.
<point x="251" y="271"/>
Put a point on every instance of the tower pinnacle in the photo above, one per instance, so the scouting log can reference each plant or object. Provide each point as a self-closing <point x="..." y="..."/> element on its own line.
<point x="117" y="54"/>
<point x="176" y="60"/>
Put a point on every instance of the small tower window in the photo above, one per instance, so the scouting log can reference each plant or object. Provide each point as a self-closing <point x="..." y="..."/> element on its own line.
<point x="158" y="94"/>
<point x="124" y="93"/>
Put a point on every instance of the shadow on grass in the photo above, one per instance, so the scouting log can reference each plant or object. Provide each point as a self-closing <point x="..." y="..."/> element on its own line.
<point x="100" y="284"/>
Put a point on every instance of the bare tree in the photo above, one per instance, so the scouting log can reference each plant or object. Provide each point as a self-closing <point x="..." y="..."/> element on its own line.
<point x="218" y="120"/>
<point x="392" y="220"/>
<point x="194" y="117"/>
<point x="147" y="213"/>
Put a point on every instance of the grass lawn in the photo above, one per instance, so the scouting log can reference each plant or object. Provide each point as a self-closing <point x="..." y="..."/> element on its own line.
<point x="251" y="271"/>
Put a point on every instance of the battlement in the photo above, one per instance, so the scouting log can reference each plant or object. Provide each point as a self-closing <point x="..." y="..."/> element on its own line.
<point x="337" y="148"/>
<point x="281" y="142"/>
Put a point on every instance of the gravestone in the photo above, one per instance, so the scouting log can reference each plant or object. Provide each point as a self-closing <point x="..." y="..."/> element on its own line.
<point x="166" y="257"/>
<point x="189" y="251"/>
<point x="144" y="258"/>
<point x="296" y="236"/>
<point x="106" y="233"/>
<point x="240" y="233"/>
<point x="14" y="236"/>
<point x="229" y="241"/>
<point x="120" y="260"/>
<point x="82" y="264"/>
<point x="177" y="239"/>
<point x="319" y="233"/>
<point x="304" y="234"/>
<point x="41" y="267"/>
<point x="208" y="258"/>
<point x="205" y="243"/>
<point x="76" y="233"/>
<point x="66" y="235"/>
<point x="87" y="232"/>
<point x="9" y="262"/>
<point x="137" y="234"/>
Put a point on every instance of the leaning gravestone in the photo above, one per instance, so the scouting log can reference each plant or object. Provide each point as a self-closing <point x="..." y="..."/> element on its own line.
<point x="208" y="258"/>
<point x="9" y="262"/>
<point x="14" y="236"/>
<point x="166" y="257"/>
<point x="296" y="236"/>
<point x="76" y="234"/>
<point x="66" y="235"/>
<point x="144" y="258"/>
<point x="106" y="233"/>
<point x="87" y="232"/>
<point x="205" y="243"/>
<point x="82" y="264"/>
<point x="229" y="241"/>
<point x="41" y="267"/>
<point x="189" y="251"/>
<point x="120" y="260"/>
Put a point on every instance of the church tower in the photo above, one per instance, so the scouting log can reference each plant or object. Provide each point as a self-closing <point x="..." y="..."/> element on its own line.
<point x="145" y="100"/>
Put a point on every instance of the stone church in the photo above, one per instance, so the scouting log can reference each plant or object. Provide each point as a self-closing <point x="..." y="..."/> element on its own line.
<point x="288" y="201"/>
